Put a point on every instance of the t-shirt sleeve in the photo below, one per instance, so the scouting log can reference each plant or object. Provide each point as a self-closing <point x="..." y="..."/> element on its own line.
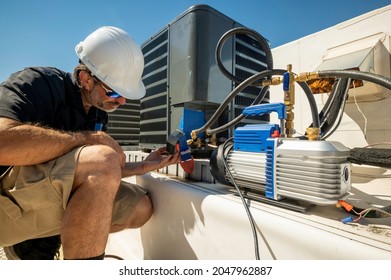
<point x="28" y="96"/>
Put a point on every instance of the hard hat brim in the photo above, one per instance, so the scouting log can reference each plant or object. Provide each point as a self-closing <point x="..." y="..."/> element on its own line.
<point x="133" y="94"/>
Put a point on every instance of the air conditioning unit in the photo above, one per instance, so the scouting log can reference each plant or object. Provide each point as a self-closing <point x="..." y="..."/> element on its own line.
<point x="184" y="85"/>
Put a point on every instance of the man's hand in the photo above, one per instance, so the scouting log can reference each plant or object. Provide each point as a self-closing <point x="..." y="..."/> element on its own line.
<point x="155" y="160"/>
<point x="160" y="158"/>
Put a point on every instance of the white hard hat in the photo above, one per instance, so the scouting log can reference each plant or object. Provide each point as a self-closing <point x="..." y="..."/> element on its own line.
<point x="114" y="58"/>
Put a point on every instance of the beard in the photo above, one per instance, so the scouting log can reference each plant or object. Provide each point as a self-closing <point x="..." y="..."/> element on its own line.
<point x="108" y="106"/>
<point x="93" y="98"/>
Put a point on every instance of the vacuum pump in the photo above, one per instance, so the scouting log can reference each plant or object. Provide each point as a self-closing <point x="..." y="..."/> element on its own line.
<point x="259" y="160"/>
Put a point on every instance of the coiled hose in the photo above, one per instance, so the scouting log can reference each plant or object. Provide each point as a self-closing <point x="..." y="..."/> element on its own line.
<point x="251" y="81"/>
<point x="242" y="30"/>
<point x="328" y="114"/>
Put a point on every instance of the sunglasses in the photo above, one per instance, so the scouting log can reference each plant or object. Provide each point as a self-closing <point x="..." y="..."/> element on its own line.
<point x="109" y="92"/>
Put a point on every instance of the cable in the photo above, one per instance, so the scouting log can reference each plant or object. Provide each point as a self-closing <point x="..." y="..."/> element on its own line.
<point x="365" y="212"/>
<point x="361" y="112"/>
<point x="249" y="215"/>
<point x="113" y="257"/>
<point x="361" y="214"/>
<point x="377" y="144"/>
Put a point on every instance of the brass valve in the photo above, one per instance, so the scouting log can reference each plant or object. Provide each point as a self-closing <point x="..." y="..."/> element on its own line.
<point x="289" y="101"/>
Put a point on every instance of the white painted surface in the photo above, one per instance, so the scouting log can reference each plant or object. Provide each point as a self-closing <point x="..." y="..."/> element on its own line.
<point x="205" y="221"/>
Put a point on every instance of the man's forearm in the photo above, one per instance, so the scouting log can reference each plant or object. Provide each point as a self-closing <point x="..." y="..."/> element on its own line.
<point x="27" y="144"/>
<point x="136" y="168"/>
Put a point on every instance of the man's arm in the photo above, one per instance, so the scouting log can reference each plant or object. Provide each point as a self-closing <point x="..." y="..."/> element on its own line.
<point x="154" y="161"/>
<point x="28" y="144"/>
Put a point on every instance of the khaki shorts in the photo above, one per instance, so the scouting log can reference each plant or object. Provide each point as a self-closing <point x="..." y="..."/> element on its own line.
<point x="33" y="199"/>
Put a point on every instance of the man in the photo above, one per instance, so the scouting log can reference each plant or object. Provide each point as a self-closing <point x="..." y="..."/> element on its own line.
<point x="61" y="172"/>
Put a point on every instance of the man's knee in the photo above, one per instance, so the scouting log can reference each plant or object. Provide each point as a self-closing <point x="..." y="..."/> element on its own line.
<point x="98" y="163"/>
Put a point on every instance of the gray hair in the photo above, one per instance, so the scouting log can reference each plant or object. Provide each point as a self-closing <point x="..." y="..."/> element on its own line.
<point x="77" y="70"/>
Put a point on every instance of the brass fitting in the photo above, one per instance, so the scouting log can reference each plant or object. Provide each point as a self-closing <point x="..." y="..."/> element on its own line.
<point x="289" y="101"/>
<point x="289" y="124"/>
<point x="306" y="76"/>
<point x="197" y="143"/>
<point x="312" y="133"/>
<point x="213" y="140"/>
<point x="193" y="135"/>
<point x="273" y="82"/>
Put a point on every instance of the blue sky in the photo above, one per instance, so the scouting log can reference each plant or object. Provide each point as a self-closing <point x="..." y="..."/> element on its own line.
<point x="44" y="32"/>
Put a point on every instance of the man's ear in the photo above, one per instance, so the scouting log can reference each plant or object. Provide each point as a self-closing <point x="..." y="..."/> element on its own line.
<point x="86" y="80"/>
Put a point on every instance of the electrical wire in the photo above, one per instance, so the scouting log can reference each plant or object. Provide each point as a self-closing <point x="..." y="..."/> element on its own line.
<point x="361" y="112"/>
<point x="365" y="212"/>
<point x="246" y="207"/>
<point x="361" y="214"/>
<point x="109" y="256"/>
<point x="377" y="144"/>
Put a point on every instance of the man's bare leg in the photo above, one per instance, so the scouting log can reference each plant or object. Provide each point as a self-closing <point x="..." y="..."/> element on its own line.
<point x="87" y="218"/>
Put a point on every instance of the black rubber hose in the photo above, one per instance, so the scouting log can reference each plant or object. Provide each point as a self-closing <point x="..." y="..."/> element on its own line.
<point x="311" y="100"/>
<point x="232" y="95"/>
<point x="334" y="104"/>
<point x="307" y="91"/>
<point x="335" y="109"/>
<point x="242" y="30"/>
<point x="330" y="102"/>
<point x="239" y="118"/>
<point x="358" y="75"/>
<point x="348" y="75"/>
<point x="249" y="81"/>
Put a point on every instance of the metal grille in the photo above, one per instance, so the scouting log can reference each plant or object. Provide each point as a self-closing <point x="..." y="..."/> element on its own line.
<point x="154" y="106"/>
<point x="124" y="123"/>
<point x="249" y="59"/>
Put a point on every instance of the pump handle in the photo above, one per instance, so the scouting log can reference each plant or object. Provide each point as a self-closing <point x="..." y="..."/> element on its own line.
<point x="262" y="109"/>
